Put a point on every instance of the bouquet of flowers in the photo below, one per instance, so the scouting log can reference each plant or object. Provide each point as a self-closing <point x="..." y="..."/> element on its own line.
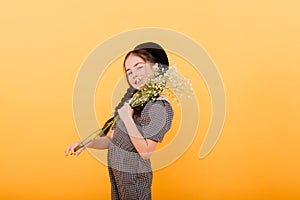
<point x="167" y="82"/>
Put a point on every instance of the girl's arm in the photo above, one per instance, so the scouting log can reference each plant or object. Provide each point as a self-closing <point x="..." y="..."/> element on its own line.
<point x="145" y="147"/>
<point x="99" y="143"/>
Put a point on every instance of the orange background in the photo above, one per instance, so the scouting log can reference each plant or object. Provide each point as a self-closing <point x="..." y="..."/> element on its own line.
<point x="255" y="45"/>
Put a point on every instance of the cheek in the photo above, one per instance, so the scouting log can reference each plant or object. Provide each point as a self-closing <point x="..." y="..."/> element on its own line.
<point x="128" y="79"/>
<point x="149" y="72"/>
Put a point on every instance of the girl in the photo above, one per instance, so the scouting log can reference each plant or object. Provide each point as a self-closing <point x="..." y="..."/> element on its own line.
<point x="135" y="134"/>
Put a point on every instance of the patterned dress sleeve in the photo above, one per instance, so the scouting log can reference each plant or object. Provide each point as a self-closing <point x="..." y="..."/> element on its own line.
<point x="156" y="119"/>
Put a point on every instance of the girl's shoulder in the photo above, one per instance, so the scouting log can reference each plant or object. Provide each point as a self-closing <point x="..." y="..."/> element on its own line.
<point x="159" y="103"/>
<point x="162" y="98"/>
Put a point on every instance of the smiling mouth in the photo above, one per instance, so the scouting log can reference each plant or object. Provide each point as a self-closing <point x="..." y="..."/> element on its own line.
<point x="137" y="81"/>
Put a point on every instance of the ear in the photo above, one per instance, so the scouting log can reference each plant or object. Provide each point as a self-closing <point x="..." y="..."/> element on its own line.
<point x="155" y="67"/>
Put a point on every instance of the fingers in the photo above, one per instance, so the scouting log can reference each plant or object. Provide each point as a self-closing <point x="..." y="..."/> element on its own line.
<point x="67" y="151"/>
<point x="79" y="151"/>
<point x="71" y="149"/>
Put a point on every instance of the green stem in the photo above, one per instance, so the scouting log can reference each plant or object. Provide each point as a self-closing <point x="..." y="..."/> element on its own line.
<point x="94" y="135"/>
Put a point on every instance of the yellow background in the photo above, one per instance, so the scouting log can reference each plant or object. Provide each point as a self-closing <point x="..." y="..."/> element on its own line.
<point x="255" y="45"/>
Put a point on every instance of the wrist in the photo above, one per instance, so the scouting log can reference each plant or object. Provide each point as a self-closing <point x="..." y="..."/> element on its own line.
<point x="128" y="120"/>
<point x="88" y="144"/>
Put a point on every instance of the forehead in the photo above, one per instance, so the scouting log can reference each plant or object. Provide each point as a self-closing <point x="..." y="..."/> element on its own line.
<point x="132" y="61"/>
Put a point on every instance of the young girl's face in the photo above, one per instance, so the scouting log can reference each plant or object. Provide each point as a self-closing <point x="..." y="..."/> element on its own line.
<point x="138" y="71"/>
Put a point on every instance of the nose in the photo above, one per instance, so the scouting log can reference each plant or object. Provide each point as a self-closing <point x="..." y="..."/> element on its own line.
<point x="134" y="74"/>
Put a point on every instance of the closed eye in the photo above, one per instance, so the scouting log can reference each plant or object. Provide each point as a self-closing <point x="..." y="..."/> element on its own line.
<point x="140" y="67"/>
<point x="129" y="73"/>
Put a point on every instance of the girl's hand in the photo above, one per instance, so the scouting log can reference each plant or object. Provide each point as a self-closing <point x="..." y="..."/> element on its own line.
<point x="71" y="148"/>
<point x="125" y="112"/>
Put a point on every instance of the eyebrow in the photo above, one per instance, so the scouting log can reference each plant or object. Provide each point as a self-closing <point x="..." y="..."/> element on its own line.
<point x="135" y="65"/>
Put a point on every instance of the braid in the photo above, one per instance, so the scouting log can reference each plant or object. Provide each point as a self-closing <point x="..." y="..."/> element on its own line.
<point x="130" y="91"/>
<point x="128" y="94"/>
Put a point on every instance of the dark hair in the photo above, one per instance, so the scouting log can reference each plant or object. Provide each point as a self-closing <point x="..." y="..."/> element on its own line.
<point x="156" y="51"/>
<point x="149" y="52"/>
<point x="142" y="53"/>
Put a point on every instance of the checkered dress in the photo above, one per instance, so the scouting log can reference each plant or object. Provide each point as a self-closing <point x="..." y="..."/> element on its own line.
<point x="130" y="174"/>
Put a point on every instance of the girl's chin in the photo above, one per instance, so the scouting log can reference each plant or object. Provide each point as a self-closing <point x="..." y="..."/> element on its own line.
<point x="135" y="86"/>
<point x="138" y="86"/>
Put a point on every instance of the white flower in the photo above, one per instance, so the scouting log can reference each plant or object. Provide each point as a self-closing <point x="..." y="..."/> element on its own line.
<point x="169" y="82"/>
